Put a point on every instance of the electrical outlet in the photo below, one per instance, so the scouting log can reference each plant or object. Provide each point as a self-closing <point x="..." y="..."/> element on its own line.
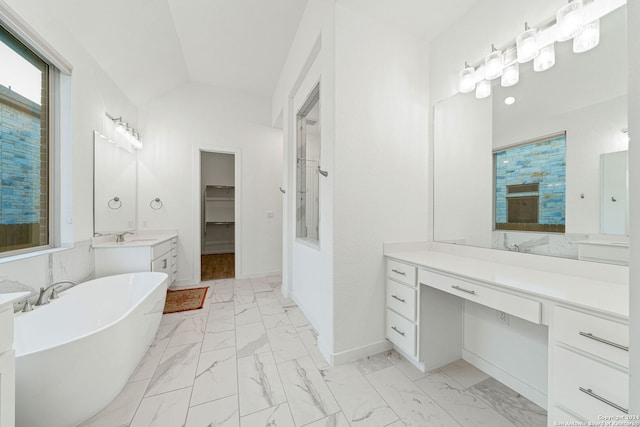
<point x="503" y="317"/>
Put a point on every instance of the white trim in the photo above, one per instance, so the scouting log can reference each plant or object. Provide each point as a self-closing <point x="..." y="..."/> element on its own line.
<point x="19" y="28"/>
<point x="358" y="352"/>
<point x="536" y="396"/>
<point x="259" y="275"/>
<point x="197" y="176"/>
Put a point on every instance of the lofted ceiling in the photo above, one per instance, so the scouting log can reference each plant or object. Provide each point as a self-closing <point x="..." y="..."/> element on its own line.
<point x="149" y="47"/>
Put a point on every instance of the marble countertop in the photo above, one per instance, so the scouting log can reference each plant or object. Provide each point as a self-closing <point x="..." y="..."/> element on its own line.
<point x="135" y="240"/>
<point x="12" y="297"/>
<point x="597" y="295"/>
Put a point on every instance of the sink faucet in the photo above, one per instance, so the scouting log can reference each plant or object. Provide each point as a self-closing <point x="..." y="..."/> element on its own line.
<point x="514" y="248"/>
<point x="43" y="298"/>
<point x="120" y="236"/>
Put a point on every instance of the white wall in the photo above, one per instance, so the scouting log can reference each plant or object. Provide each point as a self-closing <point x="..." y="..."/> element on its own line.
<point x="193" y="117"/>
<point x="380" y="174"/>
<point x="93" y="94"/>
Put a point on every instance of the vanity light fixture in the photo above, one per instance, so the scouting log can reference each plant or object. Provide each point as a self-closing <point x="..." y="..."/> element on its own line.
<point x="493" y="64"/>
<point x="124" y="132"/>
<point x="509" y="100"/>
<point x="546" y="58"/>
<point x="588" y="38"/>
<point x="527" y="44"/>
<point x="483" y="89"/>
<point x="467" y="80"/>
<point x="511" y="72"/>
<point x="569" y="20"/>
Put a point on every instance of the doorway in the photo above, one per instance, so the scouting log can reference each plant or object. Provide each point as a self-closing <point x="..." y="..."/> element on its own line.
<point x="218" y="230"/>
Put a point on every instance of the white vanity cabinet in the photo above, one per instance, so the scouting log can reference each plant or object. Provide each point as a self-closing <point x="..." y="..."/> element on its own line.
<point x="401" y="306"/>
<point x="589" y="357"/>
<point x="138" y="255"/>
<point x="7" y="359"/>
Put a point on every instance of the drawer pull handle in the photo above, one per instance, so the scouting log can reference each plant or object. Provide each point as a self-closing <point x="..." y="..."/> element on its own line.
<point x="399" y="272"/>
<point x="603" y="400"/>
<point x="602" y="340"/>
<point x="398" y="298"/>
<point x="397" y="330"/>
<point x="458" y="288"/>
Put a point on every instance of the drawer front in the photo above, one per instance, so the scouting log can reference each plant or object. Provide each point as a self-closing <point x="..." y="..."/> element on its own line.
<point x="562" y="417"/>
<point x="162" y="265"/>
<point x="160" y="249"/>
<point x="402" y="299"/>
<point x="601" y="337"/>
<point x="518" y="306"/>
<point x="401" y="332"/>
<point x="6" y="328"/>
<point x="401" y="272"/>
<point x="574" y="372"/>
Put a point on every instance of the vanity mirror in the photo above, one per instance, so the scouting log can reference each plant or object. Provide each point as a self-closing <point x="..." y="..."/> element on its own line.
<point x="114" y="186"/>
<point x="583" y="99"/>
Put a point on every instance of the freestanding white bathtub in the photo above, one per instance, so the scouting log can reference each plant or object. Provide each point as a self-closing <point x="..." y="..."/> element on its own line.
<point x="74" y="355"/>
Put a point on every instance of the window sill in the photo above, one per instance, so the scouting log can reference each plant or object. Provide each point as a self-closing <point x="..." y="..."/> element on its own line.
<point x="33" y="254"/>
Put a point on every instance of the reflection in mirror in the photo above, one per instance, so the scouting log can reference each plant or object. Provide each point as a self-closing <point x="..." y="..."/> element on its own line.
<point x="583" y="96"/>
<point x="307" y="168"/>
<point x="614" y="177"/>
<point x="114" y="186"/>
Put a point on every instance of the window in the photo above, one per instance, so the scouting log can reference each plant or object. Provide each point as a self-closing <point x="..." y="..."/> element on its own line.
<point x="530" y="186"/>
<point x="307" y="168"/>
<point x="24" y="148"/>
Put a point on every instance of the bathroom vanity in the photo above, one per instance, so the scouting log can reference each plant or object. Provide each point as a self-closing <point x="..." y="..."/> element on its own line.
<point x="7" y="358"/>
<point x="587" y="320"/>
<point x="138" y="252"/>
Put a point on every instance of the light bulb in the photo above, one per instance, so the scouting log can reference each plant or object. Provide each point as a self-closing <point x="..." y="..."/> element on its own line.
<point x="546" y="58"/>
<point x="569" y="20"/>
<point x="509" y="100"/>
<point x="493" y="64"/>
<point x="510" y="75"/>
<point x="483" y="89"/>
<point x="527" y="44"/>
<point x="467" y="80"/>
<point x="588" y="38"/>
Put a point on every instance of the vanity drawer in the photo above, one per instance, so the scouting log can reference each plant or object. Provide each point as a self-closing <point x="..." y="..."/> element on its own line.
<point x="518" y="306"/>
<point x="577" y="375"/>
<point x="601" y="337"/>
<point x="401" y="332"/>
<point x="160" y="249"/>
<point x="402" y="299"/>
<point x="401" y="272"/>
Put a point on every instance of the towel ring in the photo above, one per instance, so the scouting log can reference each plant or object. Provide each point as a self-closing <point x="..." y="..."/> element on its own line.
<point x="156" y="204"/>
<point x="115" y="203"/>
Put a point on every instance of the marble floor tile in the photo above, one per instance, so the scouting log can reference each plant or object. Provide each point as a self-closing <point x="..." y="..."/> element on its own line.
<point x="284" y="302"/>
<point x="243" y="284"/>
<point x="222" y="291"/>
<point x="333" y="420"/>
<point x="464" y="406"/>
<point x="276" y="416"/>
<point x="285" y="343"/>
<point x="164" y="410"/>
<point x="309" y="339"/>
<point x="251" y="338"/>
<point x="397" y="424"/>
<point x="176" y="370"/>
<point x="510" y="404"/>
<point x="410" y="403"/>
<point x="216" y="376"/>
<point x="120" y="412"/>
<point x="259" y="383"/>
<point x="409" y="370"/>
<point x="297" y="318"/>
<point x="271" y="308"/>
<point x="377" y="362"/>
<point x="247" y="313"/>
<point x="221" y="318"/>
<point x="360" y="402"/>
<point x="218" y="340"/>
<point x="188" y="330"/>
<point x="244" y="297"/>
<point x="150" y="361"/>
<point x="218" y="413"/>
<point x="464" y="373"/>
<point x="275" y="320"/>
<point x="308" y="395"/>
<point x="167" y="328"/>
<point x="263" y="298"/>
<point x="261" y="285"/>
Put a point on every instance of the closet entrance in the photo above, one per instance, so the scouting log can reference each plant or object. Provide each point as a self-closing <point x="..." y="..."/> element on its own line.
<point x="218" y="246"/>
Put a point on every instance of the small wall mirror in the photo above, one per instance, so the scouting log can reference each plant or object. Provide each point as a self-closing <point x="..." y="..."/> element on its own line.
<point x="114" y="186"/>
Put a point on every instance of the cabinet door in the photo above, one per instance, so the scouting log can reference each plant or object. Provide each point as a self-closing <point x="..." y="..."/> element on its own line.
<point x="7" y="388"/>
<point x="162" y="264"/>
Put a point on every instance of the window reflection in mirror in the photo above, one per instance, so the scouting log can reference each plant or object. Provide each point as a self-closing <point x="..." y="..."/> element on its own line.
<point x="307" y="163"/>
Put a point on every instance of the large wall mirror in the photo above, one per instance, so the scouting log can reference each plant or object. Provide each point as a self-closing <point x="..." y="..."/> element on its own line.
<point x="114" y="186"/>
<point x="486" y="161"/>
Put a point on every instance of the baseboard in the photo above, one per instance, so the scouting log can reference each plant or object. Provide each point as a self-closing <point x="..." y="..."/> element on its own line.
<point x="359" y="352"/>
<point x="536" y="396"/>
<point x="258" y="275"/>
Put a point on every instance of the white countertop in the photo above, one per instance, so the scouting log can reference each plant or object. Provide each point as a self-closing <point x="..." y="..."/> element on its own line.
<point x="12" y="297"/>
<point x="135" y="240"/>
<point x="602" y="296"/>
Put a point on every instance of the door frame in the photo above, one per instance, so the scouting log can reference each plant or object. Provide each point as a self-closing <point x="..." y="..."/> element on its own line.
<point x="197" y="197"/>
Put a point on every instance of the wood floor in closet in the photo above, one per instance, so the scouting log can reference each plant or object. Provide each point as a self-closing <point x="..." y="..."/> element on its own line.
<point x="217" y="266"/>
